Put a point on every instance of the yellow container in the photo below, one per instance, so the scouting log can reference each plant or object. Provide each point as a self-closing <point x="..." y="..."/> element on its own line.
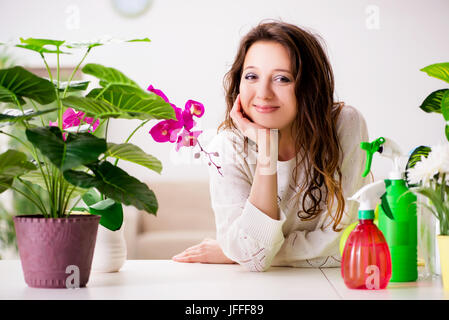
<point x="443" y="246"/>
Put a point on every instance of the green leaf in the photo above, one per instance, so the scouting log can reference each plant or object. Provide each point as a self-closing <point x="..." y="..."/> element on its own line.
<point x="73" y="86"/>
<point x="122" y="105"/>
<point x="92" y="44"/>
<point x="445" y="105"/>
<point x="108" y="76"/>
<point x="17" y="83"/>
<point x="132" y="153"/>
<point x="433" y="101"/>
<point x="139" y="40"/>
<point x="26" y="116"/>
<point x="117" y="89"/>
<point x="430" y="208"/>
<point x="13" y="163"/>
<point x="81" y="179"/>
<point x="97" y="108"/>
<point x="5" y="183"/>
<point x="42" y="42"/>
<point x="91" y="197"/>
<point x="435" y="197"/>
<point x="438" y="70"/>
<point x="9" y="97"/>
<point x="111" y="213"/>
<point x="446" y="131"/>
<point x="116" y="184"/>
<point x="125" y="94"/>
<point x="87" y="45"/>
<point x="135" y="103"/>
<point x="41" y="50"/>
<point x="78" y="149"/>
<point x="38" y="45"/>
<point x="415" y="157"/>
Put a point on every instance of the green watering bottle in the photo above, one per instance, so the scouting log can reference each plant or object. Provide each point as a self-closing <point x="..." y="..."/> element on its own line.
<point x="397" y="213"/>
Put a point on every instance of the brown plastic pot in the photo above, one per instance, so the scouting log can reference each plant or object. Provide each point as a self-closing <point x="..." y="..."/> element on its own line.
<point x="56" y="252"/>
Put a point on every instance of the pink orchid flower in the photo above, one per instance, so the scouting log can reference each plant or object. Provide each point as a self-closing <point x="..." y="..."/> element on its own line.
<point x="158" y="92"/>
<point x="71" y="118"/>
<point x="195" y="108"/>
<point x="187" y="139"/>
<point x="163" y="132"/>
<point x="192" y="108"/>
<point x="168" y="130"/>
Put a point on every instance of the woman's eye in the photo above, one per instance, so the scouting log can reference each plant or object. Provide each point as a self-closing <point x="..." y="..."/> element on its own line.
<point x="282" y="79"/>
<point x="250" y="76"/>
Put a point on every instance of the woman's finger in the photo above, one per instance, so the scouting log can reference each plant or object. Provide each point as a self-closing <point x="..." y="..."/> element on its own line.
<point x="190" y="251"/>
<point x="193" y="250"/>
<point x="192" y="247"/>
<point x="189" y="258"/>
<point x="237" y="116"/>
<point x="235" y="112"/>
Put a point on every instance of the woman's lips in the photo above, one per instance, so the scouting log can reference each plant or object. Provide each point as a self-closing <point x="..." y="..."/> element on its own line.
<point x="265" y="109"/>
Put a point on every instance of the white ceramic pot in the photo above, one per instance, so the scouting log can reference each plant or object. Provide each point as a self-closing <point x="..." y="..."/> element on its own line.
<point x="110" y="250"/>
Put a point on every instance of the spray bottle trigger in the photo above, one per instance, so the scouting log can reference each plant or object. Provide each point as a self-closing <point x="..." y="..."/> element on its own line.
<point x="369" y="157"/>
<point x="370" y="149"/>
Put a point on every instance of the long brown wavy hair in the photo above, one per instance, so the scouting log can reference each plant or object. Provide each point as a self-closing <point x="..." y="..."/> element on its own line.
<point x="314" y="129"/>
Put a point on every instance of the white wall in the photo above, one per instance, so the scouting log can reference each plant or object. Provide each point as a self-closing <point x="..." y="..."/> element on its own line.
<point x="376" y="62"/>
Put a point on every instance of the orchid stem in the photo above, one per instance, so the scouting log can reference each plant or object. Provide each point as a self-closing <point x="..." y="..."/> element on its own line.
<point x="130" y="136"/>
<point x="208" y="154"/>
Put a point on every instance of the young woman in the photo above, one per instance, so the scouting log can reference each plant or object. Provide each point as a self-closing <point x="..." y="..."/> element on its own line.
<point x="290" y="156"/>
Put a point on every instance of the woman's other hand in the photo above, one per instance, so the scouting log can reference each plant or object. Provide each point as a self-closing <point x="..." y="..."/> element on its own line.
<point x="208" y="251"/>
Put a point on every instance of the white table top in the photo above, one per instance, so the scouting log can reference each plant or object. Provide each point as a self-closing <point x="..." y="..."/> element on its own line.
<point x="169" y="280"/>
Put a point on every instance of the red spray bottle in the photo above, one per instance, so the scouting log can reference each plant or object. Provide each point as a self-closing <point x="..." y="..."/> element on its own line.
<point x="366" y="260"/>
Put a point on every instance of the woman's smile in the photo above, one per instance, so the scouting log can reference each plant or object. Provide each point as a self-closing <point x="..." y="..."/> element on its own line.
<point x="265" y="108"/>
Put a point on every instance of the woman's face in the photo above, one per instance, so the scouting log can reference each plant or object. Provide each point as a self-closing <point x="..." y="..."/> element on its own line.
<point x="267" y="86"/>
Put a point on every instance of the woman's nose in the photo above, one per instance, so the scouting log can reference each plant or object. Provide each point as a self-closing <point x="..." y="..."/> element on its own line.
<point x="264" y="90"/>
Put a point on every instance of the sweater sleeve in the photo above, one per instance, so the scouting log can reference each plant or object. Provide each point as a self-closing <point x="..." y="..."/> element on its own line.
<point x="320" y="247"/>
<point x="245" y="234"/>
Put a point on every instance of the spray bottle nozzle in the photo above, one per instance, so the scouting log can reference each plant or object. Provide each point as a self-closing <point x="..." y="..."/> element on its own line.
<point x="369" y="195"/>
<point x="370" y="149"/>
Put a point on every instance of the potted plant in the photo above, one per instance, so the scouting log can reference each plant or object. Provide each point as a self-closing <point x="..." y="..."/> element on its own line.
<point x="428" y="168"/>
<point x="67" y="158"/>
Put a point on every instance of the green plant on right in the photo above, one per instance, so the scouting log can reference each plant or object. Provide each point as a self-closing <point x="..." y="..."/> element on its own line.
<point x="438" y="101"/>
<point x="427" y="169"/>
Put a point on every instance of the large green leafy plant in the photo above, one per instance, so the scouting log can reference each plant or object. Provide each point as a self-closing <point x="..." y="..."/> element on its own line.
<point x="428" y="167"/>
<point x="71" y="162"/>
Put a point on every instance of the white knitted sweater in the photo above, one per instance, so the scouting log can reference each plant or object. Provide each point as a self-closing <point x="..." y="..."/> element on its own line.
<point x="254" y="240"/>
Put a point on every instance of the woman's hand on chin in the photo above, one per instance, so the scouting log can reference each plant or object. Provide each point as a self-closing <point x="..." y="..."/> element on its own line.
<point x="249" y="128"/>
<point x="208" y="251"/>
